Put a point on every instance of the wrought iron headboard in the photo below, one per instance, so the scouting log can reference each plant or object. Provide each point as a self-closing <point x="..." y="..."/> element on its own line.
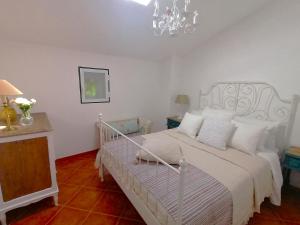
<point x="252" y="99"/>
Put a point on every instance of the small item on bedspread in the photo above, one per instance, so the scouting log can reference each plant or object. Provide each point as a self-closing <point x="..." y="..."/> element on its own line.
<point x="168" y="151"/>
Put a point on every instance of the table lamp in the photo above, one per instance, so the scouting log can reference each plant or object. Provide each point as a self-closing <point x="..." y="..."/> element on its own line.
<point x="182" y="100"/>
<point x="9" y="113"/>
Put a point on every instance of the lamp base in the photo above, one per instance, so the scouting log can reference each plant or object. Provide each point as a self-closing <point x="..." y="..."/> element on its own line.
<point x="8" y="128"/>
<point x="8" y="111"/>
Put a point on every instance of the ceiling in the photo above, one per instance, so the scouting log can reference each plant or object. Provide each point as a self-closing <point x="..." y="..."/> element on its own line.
<point x="115" y="27"/>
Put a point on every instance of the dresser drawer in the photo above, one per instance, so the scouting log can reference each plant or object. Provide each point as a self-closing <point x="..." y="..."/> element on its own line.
<point x="293" y="163"/>
<point x="24" y="167"/>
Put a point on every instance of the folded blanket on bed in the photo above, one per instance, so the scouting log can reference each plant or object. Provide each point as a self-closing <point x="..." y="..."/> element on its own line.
<point x="167" y="150"/>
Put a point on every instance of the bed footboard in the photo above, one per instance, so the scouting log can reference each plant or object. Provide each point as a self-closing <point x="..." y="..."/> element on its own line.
<point x="110" y="134"/>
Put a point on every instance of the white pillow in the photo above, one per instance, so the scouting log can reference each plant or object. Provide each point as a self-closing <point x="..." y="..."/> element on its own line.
<point x="271" y="134"/>
<point x="168" y="151"/>
<point x="267" y="142"/>
<point x="216" y="132"/>
<point x="268" y="124"/>
<point x="246" y="137"/>
<point x="197" y="112"/>
<point x="218" y="114"/>
<point x="190" y="124"/>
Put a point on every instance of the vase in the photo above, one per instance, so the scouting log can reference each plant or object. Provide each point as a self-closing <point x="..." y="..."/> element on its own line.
<point x="26" y="119"/>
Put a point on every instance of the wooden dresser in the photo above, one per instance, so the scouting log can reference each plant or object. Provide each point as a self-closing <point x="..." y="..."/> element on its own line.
<point x="27" y="165"/>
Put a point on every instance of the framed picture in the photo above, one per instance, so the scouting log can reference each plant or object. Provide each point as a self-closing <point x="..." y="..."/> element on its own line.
<point x="94" y="85"/>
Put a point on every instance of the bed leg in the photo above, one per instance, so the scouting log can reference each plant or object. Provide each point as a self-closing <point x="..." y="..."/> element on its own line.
<point x="101" y="175"/>
<point x="3" y="218"/>
<point x="55" y="199"/>
<point x="101" y="172"/>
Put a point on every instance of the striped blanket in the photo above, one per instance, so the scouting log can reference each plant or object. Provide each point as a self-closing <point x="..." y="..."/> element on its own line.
<point x="206" y="201"/>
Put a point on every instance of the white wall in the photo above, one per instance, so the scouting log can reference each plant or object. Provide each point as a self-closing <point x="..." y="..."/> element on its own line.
<point x="51" y="76"/>
<point x="263" y="47"/>
<point x="171" y="70"/>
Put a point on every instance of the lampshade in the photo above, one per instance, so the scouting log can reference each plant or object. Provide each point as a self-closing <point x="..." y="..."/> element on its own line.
<point x="7" y="89"/>
<point x="182" y="99"/>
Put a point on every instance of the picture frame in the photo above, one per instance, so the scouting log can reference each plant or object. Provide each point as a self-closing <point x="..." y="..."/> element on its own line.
<point x="94" y="85"/>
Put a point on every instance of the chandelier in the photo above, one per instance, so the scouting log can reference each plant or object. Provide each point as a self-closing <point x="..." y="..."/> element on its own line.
<point x="174" y="20"/>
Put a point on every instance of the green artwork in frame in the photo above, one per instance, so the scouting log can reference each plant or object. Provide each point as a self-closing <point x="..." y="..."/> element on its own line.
<point x="94" y="85"/>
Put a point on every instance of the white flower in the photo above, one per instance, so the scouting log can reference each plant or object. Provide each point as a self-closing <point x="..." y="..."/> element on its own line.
<point x="24" y="101"/>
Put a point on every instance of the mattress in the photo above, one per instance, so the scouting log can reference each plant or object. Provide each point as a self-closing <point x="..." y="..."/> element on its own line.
<point x="244" y="180"/>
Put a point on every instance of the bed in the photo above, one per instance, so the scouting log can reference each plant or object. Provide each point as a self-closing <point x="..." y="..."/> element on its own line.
<point x="208" y="186"/>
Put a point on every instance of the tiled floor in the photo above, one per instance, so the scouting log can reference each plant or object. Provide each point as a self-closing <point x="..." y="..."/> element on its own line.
<point x="84" y="200"/>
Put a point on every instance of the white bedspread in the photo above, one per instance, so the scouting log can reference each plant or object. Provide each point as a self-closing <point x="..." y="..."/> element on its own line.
<point x="274" y="162"/>
<point x="248" y="178"/>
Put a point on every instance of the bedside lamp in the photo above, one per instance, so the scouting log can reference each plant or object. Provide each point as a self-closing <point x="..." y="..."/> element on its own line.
<point x="182" y="100"/>
<point x="9" y="114"/>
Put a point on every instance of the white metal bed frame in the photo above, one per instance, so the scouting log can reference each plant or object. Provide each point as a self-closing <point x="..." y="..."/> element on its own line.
<point x="257" y="100"/>
<point x="250" y="99"/>
<point x="105" y="132"/>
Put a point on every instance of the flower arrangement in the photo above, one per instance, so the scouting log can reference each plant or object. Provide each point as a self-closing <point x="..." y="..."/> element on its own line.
<point x="25" y="106"/>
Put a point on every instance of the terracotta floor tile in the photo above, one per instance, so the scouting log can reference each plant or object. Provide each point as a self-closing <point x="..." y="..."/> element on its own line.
<point x="258" y="220"/>
<point x="90" y="165"/>
<point x="85" y="199"/>
<point x="90" y="154"/>
<point x="65" y="164"/>
<point x="98" y="219"/>
<point x="81" y="163"/>
<point x="77" y="173"/>
<point x="79" y="178"/>
<point x="94" y="181"/>
<point x="108" y="184"/>
<point x="39" y="218"/>
<point x="131" y="213"/>
<point x="69" y="216"/>
<point x="17" y="214"/>
<point x="67" y="192"/>
<point x="130" y="222"/>
<point x="63" y="175"/>
<point x="289" y="212"/>
<point x="268" y="210"/>
<point x="111" y="203"/>
<point x="290" y="223"/>
<point x="72" y="163"/>
<point x="291" y="198"/>
<point x="35" y="208"/>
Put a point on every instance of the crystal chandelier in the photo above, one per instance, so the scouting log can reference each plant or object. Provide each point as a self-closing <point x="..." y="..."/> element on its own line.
<point x="174" y="20"/>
